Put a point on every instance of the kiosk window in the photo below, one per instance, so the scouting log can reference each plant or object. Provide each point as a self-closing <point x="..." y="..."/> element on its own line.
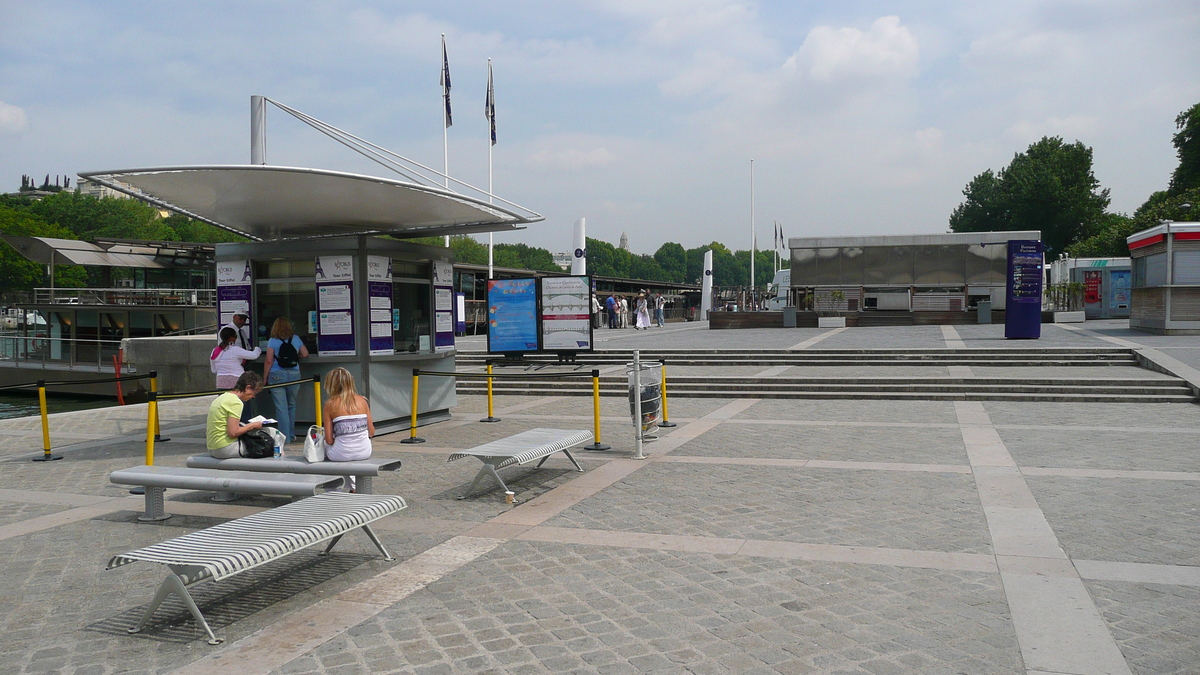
<point x="411" y="304"/>
<point x="293" y="299"/>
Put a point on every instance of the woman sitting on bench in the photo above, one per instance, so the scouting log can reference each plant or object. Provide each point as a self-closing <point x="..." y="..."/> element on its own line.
<point x="348" y="424"/>
<point x="225" y="413"/>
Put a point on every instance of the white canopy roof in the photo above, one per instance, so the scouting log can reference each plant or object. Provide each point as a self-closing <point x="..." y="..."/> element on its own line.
<point x="275" y="202"/>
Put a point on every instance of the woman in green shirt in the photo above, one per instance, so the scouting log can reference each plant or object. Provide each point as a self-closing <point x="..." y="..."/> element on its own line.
<point x="225" y="414"/>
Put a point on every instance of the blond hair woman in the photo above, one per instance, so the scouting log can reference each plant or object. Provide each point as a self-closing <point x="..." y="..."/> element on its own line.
<point x="348" y="424"/>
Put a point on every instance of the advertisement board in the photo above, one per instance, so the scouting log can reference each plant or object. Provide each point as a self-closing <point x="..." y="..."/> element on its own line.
<point x="565" y="319"/>
<point x="443" y="306"/>
<point x="335" y="305"/>
<point x="512" y="315"/>
<point x="379" y="294"/>
<point x="1023" y="313"/>
<point x="233" y="291"/>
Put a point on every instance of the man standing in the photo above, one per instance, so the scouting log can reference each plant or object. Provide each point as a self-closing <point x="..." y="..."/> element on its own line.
<point x="611" y="305"/>
<point x="595" y="312"/>
<point x="660" y="304"/>
<point x="239" y="324"/>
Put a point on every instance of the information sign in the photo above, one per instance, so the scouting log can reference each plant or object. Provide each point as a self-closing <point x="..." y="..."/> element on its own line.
<point x="234" y="283"/>
<point x="443" y="309"/>
<point x="379" y="294"/>
<point x="566" y="322"/>
<point x="335" y="305"/>
<point x="1023" y="311"/>
<point x="512" y="315"/>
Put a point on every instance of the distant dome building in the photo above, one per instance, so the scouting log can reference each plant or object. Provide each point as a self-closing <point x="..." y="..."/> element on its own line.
<point x="624" y="242"/>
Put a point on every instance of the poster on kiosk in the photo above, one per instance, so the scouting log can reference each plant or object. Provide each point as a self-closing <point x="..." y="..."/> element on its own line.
<point x="335" y="305"/>
<point x="233" y="292"/>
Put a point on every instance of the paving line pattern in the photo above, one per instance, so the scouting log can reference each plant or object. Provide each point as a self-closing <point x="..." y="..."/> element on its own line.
<point x="815" y="339"/>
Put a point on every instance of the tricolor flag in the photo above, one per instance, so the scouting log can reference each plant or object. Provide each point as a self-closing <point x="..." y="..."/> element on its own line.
<point x="446" y="83"/>
<point x="489" y="106"/>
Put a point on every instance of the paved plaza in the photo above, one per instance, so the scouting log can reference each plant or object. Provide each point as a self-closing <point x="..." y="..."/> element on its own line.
<point x="760" y="536"/>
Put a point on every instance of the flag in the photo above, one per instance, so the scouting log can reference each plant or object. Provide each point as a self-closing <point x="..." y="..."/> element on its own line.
<point x="446" y="83"/>
<point x="489" y="107"/>
<point x="777" y="234"/>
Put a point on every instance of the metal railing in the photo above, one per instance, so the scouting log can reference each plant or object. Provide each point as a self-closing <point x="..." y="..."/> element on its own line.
<point x="188" y="297"/>
<point x="61" y="351"/>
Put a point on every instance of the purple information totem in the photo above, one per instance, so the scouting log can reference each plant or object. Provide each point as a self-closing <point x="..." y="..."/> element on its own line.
<point x="1023" y="311"/>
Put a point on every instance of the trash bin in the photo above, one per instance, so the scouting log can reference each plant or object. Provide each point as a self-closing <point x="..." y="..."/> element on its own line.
<point x="651" y="395"/>
<point x="789" y="317"/>
<point x="983" y="311"/>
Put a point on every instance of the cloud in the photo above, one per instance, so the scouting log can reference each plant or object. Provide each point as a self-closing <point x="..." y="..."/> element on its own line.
<point x="12" y="119"/>
<point x="886" y="50"/>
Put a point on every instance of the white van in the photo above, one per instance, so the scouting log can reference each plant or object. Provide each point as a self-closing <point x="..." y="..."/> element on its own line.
<point x="777" y="292"/>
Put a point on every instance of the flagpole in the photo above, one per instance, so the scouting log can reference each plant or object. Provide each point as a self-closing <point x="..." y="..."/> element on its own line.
<point x="445" y="121"/>
<point x="752" y="229"/>
<point x="491" y="113"/>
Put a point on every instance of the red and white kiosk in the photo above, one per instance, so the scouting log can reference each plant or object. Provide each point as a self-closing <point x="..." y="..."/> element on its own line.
<point x="1166" y="279"/>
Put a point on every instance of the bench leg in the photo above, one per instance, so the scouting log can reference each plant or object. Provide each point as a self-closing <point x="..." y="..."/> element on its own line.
<point x="173" y="584"/>
<point x="484" y="470"/>
<point x="332" y="542"/>
<point x="155" y="510"/>
<point x="378" y="544"/>
<point x="565" y="452"/>
<point x="365" y="486"/>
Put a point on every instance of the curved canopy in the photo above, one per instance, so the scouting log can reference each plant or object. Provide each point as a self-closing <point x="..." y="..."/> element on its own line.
<point x="274" y="202"/>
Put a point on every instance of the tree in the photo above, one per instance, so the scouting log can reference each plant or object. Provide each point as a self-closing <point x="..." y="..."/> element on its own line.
<point x="1050" y="187"/>
<point x="90" y="218"/>
<point x="19" y="273"/>
<point x="673" y="260"/>
<point x="1187" y="146"/>
<point x="199" y="232"/>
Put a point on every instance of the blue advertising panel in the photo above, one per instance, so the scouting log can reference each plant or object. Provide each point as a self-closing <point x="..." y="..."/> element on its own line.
<point x="1023" y="312"/>
<point x="335" y="305"/>
<point x="512" y="315"/>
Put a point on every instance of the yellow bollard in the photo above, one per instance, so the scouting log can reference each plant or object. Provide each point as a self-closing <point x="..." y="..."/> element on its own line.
<point x="597" y="445"/>
<point x="151" y="414"/>
<point x="412" y="430"/>
<point x="46" y="456"/>
<point x="317" y="397"/>
<point x="491" y="416"/>
<point x="157" y="423"/>
<point x="665" y="419"/>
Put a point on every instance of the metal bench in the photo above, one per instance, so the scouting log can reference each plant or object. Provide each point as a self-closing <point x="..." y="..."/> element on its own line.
<point x="519" y="449"/>
<point x="362" y="470"/>
<point x="158" y="478"/>
<point x="236" y="546"/>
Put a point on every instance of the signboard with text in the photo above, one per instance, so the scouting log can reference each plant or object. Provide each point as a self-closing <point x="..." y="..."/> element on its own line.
<point x="1023" y="310"/>
<point x="512" y="315"/>
<point x="565" y="319"/>
<point x="335" y="305"/>
<point x="379" y="295"/>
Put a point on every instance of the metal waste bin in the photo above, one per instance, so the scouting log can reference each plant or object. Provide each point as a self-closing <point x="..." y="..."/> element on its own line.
<point x="789" y="317"/>
<point x="651" y="395"/>
<point x="983" y="311"/>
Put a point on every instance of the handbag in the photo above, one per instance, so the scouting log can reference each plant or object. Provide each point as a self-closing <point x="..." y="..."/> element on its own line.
<point x="314" y="444"/>
<point x="256" y="444"/>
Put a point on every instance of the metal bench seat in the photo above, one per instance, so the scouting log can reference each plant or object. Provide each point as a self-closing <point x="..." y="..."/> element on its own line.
<point x="519" y="449"/>
<point x="158" y="478"/>
<point x="239" y="545"/>
<point x="363" y="470"/>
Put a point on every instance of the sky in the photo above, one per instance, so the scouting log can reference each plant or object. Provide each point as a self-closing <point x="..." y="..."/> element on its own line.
<point x="643" y="116"/>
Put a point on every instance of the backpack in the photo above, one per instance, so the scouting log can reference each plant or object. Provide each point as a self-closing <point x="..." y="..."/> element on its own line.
<point x="256" y="444"/>
<point x="286" y="355"/>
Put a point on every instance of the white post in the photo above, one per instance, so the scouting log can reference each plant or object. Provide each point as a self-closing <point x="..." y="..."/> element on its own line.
<point x="445" y="127"/>
<point x="258" y="130"/>
<point x="752" y="242"/>
<point x="579" y="248"/>
<point x="637" y="404"/>
<point x="706" y="286"/>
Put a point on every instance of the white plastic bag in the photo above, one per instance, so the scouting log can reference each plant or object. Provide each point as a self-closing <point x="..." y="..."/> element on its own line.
<point x="314" y="444"/>
<point x="280" y="439"/>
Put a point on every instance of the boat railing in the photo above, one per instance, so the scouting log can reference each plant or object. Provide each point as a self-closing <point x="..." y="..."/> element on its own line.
<point x="71" y="353"/>
<point x="194" y="297"/>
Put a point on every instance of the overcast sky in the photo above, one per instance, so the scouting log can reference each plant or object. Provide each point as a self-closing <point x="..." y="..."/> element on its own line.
<point x="642" y="115"/>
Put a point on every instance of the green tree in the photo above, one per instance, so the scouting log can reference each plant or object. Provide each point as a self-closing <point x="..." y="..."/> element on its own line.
<point x="1187" y="146"/>
<point x="19" y="273"/>
<point x="1050" y="187"/>
<point x="673" y="259"/>
<point x="604" y="259"/>
<point x="89" y="217"/>
<point x="199" y="232"/>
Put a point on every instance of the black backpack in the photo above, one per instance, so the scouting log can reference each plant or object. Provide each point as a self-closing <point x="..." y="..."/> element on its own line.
<point x="256" y="444"/>
<point x="286" y="355"/>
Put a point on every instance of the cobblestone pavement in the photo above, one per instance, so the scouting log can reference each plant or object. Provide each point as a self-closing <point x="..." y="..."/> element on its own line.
<point x="759" y="537"/>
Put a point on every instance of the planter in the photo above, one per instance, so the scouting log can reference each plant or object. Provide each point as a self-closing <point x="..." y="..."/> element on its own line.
<point x="1069" y="317"/>
<point x="832" y="322"/>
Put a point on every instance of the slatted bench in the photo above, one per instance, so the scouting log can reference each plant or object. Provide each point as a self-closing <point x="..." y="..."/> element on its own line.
<point x="239" y="545"/>
<point x="156" y="479"/>
<point x="362" y="470"/>
<point x="519" y="449"/>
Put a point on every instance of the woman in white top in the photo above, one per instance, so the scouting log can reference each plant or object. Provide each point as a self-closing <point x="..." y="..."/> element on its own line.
<point x="226" y="360"/>
<point x="348" y="424"/>
<point x="643" y="313"/>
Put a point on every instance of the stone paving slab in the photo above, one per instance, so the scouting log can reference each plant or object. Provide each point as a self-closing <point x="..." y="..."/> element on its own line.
<point x="1167" y="450"/>
<point x="547" y="608"/>
<point x="936" y="445"/>
<point x="1157" y="626"/>
<point x="922" y="511"/>
<point x="1121" y="519"/>
<point x="1100" y="371"/>
<point x="853" y="411"/>
<point x="1168" y="415"/>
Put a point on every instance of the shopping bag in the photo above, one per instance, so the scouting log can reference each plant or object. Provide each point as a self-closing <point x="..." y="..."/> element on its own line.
<point x="314" y="444"/>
